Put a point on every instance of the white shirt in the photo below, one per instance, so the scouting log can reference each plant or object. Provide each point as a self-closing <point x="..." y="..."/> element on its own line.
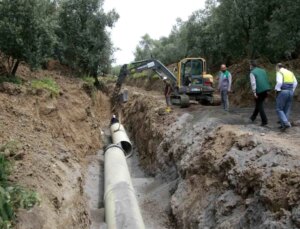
<point x="279" y="82"/>
<point x="253" y="82"/>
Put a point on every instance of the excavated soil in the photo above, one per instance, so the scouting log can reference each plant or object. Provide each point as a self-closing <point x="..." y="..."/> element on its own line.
<point x="55" y="137"/>
<point x="202" y="167"/>
<point x="229" y="173"/>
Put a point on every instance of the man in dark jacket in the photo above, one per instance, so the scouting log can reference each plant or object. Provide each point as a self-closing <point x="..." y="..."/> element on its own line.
<point x="167" y="93"/>
<point x="260" y="86"/>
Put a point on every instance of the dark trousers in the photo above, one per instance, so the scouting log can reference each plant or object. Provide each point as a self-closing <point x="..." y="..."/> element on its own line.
<point x="259" y="107"/>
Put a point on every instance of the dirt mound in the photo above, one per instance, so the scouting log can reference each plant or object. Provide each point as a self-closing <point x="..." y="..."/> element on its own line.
<point x="229" y="175"/>
<point x="55" y="134"/>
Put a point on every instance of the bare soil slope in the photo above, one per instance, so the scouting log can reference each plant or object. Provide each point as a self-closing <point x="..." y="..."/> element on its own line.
<point x="54" y="134"/>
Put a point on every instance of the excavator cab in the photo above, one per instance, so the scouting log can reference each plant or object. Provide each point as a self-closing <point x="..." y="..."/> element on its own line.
<point x="193" y="80"/>
<point x="191" y="71"/>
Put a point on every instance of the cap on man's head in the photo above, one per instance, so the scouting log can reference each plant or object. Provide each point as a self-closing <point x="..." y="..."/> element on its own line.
<point x="114" y="116"/>
<point x="165" y="78"/>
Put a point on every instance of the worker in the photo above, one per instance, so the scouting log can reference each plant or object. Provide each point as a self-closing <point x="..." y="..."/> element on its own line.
<point x="114" y="120"/>
<point x="225" y="80"/>
<point x="260" y="86"/>
<point x="286" y="84"/>
<point x="168" y="90"/>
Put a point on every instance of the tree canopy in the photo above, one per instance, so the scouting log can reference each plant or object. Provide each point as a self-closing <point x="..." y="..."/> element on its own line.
<point x="230" y="30"/>
<point x="73" y="31"/>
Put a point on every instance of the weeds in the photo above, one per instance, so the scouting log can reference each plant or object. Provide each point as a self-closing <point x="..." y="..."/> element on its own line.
<point x="12" y="196"/>
<point x="90" y="81"/>
<point x="47" y="84"/>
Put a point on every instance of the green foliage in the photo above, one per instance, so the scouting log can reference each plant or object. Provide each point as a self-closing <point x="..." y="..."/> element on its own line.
<point x="22" y="198"/>
<point x="73" y="31"/>
<point x="47" y="84"/>
<point x="115" y="70"/>
<point x="5" y="168"/>
<point x="242" y="82"/>
<point x="84" y="43"/>
<point x="26" y="31"/>
<point x="139" y="75"/>
<point x="11" y="79"/>
<point x="89" y="80"/>
<point x="12" y="196"/>
<point x="230" y="30"/>
<point x="6" y="209"/>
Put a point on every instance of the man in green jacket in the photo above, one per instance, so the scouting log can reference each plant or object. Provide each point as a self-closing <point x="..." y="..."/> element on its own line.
<point x="260" y="86"/>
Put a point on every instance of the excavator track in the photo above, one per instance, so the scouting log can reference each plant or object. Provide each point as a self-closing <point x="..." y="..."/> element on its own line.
<point x="180" y="100"/>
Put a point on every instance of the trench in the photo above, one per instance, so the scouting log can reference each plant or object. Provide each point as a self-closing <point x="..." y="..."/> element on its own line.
<point x="153" y="193"/>
<point x="200" y="196"/>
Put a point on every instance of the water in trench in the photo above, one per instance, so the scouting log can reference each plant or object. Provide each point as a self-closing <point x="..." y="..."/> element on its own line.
<point x="153" y="194"/>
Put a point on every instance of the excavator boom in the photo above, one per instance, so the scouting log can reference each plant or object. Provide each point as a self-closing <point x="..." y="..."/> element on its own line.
<point x="143" y="65"/>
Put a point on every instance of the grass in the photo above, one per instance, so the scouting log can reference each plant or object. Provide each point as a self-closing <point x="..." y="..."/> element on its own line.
<point x="89" y="80"/>
<point x="12" y="196"/>
<point x="47" y="84"/>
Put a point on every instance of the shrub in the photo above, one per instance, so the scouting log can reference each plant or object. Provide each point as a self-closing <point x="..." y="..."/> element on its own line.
<point x="11" y="79"/>
<point x="47" y="84"/>
<point x="89" y="80"/>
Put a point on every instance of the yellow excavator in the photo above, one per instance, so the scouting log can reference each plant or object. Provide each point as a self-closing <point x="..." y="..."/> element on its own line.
<point x="190" y="81"/>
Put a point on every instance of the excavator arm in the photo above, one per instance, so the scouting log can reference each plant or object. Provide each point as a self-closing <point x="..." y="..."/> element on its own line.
<point x="143" y="65"/>
<point x="161" y="70"/>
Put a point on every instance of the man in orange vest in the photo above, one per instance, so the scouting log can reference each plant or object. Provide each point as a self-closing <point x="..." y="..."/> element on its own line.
<point x="286" y="84"/>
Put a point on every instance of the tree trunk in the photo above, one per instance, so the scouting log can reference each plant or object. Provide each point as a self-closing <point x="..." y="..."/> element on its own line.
<point x="15" y="68"/>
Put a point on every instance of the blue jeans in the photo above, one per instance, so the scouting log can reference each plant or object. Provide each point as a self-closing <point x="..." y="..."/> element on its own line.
<point x="283" y="106"/>
<point x="224" y="98"/>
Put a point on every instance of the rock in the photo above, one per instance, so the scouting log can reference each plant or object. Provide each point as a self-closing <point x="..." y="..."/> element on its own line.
<point x="247" y="142"/>
<point x="10" y="88"/>
<point x="19" y="156"/>
<point x="296" y="216"/>
<point x="296" y="123"/>
<point x="48" y="109"/>
<point x="227" y="202"/>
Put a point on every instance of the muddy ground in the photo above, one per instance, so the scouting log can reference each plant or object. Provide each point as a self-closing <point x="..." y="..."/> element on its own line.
<point x="229" y="173"/>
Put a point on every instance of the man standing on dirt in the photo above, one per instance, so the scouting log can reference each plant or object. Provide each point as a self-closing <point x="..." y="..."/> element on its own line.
<point x="286" y="84"/>
<point x="168" y="91"/>
<point x="260" y="87"/>
<point x="224" y="87"/>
